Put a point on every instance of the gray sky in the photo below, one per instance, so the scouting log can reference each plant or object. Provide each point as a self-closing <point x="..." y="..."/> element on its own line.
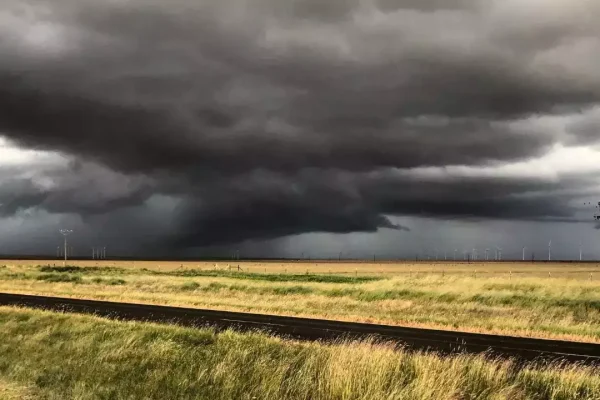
<point x="281" y="127"/>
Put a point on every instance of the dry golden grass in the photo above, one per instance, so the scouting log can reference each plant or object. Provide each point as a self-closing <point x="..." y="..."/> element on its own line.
<point x="13" y="391"/>
<point x="83" y="357"/>
<point x="538" y="269"/>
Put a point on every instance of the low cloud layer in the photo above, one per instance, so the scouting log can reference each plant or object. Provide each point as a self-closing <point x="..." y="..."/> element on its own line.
<point x="264" y="119"/>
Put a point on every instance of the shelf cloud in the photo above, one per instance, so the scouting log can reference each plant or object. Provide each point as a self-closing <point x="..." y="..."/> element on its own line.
<point x="264" y="119"/>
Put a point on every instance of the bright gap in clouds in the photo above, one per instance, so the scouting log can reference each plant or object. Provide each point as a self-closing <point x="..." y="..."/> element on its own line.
<point x="560" y="162"/>
<point x="13" y="156"/>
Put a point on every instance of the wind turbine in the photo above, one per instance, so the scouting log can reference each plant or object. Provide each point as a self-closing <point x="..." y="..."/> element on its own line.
<point x="580" y="251"/>
<point x="550" y="250"/>
<point x="487" y="251"/>
<point x="524" y="252"/>
<point x="499" y="253"/>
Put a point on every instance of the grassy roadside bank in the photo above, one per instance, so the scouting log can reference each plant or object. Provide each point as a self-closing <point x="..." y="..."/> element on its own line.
<point x="81" y="357"/>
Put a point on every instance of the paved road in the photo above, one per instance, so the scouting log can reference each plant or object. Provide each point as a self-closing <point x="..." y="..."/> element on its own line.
<point x="525" y="349"/>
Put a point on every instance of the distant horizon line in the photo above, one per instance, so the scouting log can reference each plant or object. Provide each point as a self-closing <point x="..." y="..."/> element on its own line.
<point x="6" y="257"/>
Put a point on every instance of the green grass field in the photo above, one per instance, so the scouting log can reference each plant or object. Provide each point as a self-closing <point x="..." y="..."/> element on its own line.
<point x="55" y="356"/>
<point x="558" y="306"/>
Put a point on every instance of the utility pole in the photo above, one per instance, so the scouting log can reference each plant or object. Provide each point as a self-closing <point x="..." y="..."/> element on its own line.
<point x="65" y="233"/>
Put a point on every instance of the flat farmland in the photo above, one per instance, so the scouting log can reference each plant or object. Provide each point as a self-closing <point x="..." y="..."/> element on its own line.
<point x="568" y="270"/>
<point x="548" y="300"/>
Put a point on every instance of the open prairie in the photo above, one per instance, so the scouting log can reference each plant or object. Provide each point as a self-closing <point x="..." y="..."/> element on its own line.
<point x="537" y="300"/>
<point x="571" y="270"/>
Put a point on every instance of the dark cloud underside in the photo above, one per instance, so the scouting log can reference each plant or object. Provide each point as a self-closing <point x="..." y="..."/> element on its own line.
<point x="272" y="118"/>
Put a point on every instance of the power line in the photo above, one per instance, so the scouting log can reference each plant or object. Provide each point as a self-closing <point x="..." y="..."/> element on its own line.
<point x="65" y="233"/>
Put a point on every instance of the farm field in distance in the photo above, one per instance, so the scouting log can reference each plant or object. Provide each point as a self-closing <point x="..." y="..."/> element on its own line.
<point x="573" y="270"/>
<point x="547" y="300"/>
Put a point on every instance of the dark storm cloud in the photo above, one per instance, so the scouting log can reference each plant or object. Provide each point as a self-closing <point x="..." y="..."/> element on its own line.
<point x="247" y="85"/>
<point x="266" y="205"/>
<point x="271" y="118"/>
<point x="585" y="128"/>
<point x="130" y="138"/>
<point x="77" y="187"/>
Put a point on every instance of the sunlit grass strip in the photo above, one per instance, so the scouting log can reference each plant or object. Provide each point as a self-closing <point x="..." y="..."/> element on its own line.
<point x="66" y="356"/>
